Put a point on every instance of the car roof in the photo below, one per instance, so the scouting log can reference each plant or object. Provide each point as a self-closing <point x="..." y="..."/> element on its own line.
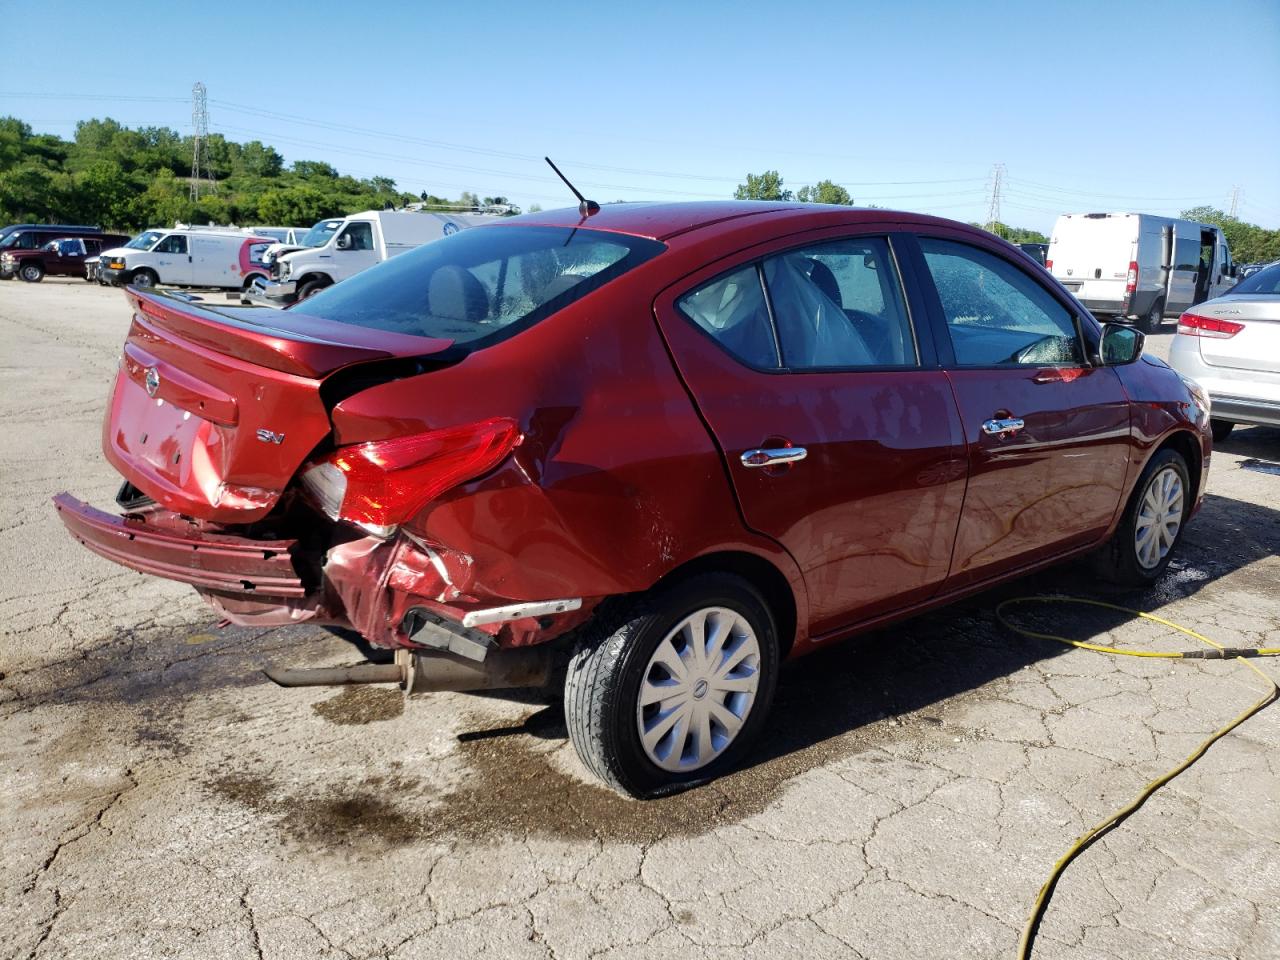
<point x="61" y="228"/>
<point x="662" y="221"/>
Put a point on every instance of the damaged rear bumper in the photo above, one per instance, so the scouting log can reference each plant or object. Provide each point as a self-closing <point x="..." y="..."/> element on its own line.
<point x="402" y="592"/>
<point x="217" y="562"/>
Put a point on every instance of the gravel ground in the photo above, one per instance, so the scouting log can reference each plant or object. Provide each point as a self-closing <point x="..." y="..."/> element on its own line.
<point x="160" y="799"/>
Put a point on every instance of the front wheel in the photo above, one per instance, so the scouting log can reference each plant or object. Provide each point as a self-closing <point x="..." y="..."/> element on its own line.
<point x="31" y="272"/>
<point x="1152" y="524"/>
<point x="144" y="278"/>
<point x="679" y="689"/>
<point x="310" y="288"/>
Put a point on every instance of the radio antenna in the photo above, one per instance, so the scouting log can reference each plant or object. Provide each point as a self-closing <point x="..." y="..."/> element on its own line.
<point x="585" y="207"/>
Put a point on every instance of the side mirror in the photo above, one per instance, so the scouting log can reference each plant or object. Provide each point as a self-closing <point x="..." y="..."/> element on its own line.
<point x="344" y="242"/>
<point x="1121" y="344"/>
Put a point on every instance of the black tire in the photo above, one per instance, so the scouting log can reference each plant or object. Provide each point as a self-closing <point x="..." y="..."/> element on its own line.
<point x="31" y="272"/>
<point x="144" y="278"/>
<point x="1221" y="429"/>
<point x="310" y="288"/>
<point x="604" y="678"/>
<point x="1154" y="318"/>
<point x="1118" y="562"/>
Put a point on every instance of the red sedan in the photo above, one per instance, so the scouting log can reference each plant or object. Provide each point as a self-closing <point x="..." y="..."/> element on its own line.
<point x="667" y="445"/>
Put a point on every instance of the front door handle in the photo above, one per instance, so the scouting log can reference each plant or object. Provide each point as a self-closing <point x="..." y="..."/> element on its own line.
<point x="772" y="457"/>
<point x="1005" y="425"/>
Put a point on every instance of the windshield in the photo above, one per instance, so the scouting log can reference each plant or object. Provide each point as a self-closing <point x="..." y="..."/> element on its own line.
<point x="482" y="285"/>
<point x="1266" y="280"/>
<point x="11" y="240"/>
<point x="145" y="240"/>
<point x="319" y="235"/>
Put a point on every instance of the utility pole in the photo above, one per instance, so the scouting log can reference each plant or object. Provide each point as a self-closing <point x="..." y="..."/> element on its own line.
<point x="993" y="209"/>
<point x="200" y="151"/>
<point x="1235" y="201"/>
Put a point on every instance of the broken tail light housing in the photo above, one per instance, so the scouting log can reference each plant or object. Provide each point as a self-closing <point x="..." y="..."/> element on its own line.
<point x="1194" y="325"/>
<point x="379" y="485"/>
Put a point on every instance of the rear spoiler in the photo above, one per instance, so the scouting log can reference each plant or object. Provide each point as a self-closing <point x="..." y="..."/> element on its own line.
<point x="288" y="341"/>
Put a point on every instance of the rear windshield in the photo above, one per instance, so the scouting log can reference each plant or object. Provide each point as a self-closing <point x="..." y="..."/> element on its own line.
<point x="1264" y="281"/>
<point x="481" y="285"/>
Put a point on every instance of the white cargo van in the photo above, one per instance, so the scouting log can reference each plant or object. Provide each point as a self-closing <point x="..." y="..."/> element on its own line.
<point x="184" y="256"/>
<point x="1138" y="266"/>
<point x="359" y="242"/>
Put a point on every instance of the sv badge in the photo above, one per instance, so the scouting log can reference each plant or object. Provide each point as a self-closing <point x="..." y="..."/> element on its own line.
<point x="269" y="436"/>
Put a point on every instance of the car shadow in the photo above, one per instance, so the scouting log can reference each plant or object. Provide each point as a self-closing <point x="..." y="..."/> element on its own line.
<point x="1260" y="442"/>
<point x="911" y="669"/>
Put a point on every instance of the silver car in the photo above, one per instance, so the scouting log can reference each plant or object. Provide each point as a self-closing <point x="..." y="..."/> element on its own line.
<point x="1231" y="346"/>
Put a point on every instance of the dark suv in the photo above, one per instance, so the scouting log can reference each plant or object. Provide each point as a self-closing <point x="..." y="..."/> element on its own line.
<point x="63" y="257"/>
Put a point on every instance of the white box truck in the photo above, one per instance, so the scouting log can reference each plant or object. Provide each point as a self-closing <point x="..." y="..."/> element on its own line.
<point x="1138" y="266"/>
<point x="359" y="242"/>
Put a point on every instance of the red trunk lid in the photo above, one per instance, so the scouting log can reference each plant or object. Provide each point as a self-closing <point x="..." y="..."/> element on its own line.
<point x="213" y="411"/>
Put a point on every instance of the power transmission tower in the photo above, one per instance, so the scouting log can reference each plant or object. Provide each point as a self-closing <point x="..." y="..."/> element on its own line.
<point x="993" y="210"/>
<point x="200" y="151"/>
<point x="1235" y="201"/>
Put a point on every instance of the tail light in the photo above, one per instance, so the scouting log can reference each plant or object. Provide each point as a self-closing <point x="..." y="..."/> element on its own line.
<point x="378" y="486"/>
<point x="1131" y="278"/>
<point x="1194" y="325"/>
<point x="1048" y="264"/>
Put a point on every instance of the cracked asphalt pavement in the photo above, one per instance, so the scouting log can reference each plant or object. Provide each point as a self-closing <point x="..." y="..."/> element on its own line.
<point x="159" y="798"/>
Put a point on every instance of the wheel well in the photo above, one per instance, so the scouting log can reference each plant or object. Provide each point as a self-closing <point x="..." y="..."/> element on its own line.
<point x="761" y="574"/>
<point x="1186" y="444"/>
<point x="316" y="277"/>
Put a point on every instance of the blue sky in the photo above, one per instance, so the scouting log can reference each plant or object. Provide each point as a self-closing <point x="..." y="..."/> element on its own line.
<point x="1152" y="106"/>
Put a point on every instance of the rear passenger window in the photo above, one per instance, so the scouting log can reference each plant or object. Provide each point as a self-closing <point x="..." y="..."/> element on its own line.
<point x="839" y="305"/>
<point x="998" y="315"/>
<point x="732" y="309"/>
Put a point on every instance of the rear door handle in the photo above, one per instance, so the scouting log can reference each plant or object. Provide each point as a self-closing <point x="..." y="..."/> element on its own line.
<point x="1005" y="425"/>
<point x="771" y="457"/>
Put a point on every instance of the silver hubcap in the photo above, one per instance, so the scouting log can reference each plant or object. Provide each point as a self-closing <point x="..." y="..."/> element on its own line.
<point x="30" y="273"/>
<point x="142" y="280"/>
<point x="1159" y="517"/>
<point x="698" y="689"/>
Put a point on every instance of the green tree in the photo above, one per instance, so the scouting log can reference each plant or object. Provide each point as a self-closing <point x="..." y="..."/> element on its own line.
<point x="1249" y="242"/>
<point x="764" y="186"/>
<point x="127" y="178"/>
<point x="103" y="194"/>
<point x="824" y="191"/>
<point x="302" y="204"/>
<point x="314" y="168"/>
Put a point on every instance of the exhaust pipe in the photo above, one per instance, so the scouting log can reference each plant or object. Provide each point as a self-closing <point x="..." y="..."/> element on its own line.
<point x="432" y="672"/>
<point x="335" y="676"/>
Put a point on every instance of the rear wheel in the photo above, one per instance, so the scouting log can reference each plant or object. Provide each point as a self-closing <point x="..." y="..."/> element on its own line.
<point x="144" y="278"/>
<point x="31" y="272"/>
<point x="1221" y="429"/>
<point x="1153" y="319"/>
<point x="1152" y="523"/>
<point x="678" y="690"/>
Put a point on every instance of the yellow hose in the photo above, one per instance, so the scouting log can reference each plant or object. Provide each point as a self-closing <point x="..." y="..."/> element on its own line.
<point x="1218" y="651"/>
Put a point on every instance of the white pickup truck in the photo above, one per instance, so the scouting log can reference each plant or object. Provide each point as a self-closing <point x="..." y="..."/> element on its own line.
<point x="358" y="242"/>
